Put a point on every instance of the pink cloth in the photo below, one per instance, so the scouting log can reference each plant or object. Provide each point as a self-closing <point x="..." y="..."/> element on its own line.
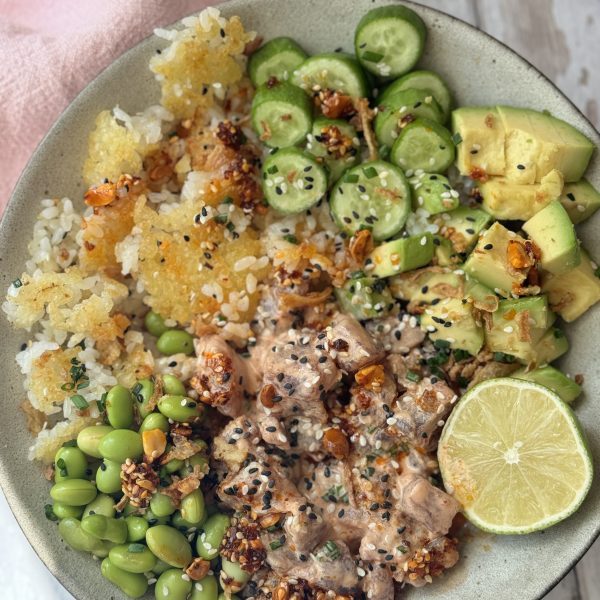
<point x="50" y="50"/>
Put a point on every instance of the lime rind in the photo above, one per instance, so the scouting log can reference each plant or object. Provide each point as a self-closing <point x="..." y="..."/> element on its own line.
<point x="580" y="446"/>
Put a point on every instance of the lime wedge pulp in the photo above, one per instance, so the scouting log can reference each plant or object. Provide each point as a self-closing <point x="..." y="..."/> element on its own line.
<point x="513" y="455"/>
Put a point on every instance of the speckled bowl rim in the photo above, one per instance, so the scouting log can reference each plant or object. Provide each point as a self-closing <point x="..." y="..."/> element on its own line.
<point x="93" y="87"/>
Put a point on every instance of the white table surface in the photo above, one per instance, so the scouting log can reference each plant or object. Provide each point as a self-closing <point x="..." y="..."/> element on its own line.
<point x="563" y="42"/>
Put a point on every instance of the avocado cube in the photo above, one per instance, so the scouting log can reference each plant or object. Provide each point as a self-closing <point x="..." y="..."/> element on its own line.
<point x="554" y="343"/>
<point x="554" y="234"/>
<point x="403" y="254"/>
<point x="553" y="379"/>
<point x="481" y="145"/>
<point x="365" y="298"/>
<point x="462" y="226"/>
<point x="537" y="142"/>
<point x="443" y="252"/>
<point x="452" y="320"/>
<point x="518" y="325"/>
<point x="505" y="199"/>
<point x="480" y="296"/>
<point x="488" y="263"/>
<point x="427" y="285"/>
<point x="572" y="293"/>
<point x="581" y="200"/>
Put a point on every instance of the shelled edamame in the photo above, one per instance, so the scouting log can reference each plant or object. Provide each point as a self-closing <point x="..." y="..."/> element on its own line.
<point x="154" y="537"/>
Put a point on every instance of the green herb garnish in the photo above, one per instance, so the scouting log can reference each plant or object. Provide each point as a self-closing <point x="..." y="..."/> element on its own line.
<point x="370" y="172"/>
<point x="79" y="401"/>
<point x="412" y="376"/>
<point x="457" y="138"/>
<point x="503" y="357"/>
<point x="291" y="238"/>
<point x="371" y="56"/>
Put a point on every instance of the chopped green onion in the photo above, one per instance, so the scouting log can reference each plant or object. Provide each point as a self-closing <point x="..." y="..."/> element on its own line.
<point x="79" y="401"/>
<point x="292" y="239"/>
<point x="370" y="172"/>
<point x="457" y="138"/>
<point x="220" y="219"/>
<point x="412" y="376"/>
<point x="503" y="357"/>
<point x="372" y="56"/>
<point x="352" y="178"/>
<point x="17" y="283"/>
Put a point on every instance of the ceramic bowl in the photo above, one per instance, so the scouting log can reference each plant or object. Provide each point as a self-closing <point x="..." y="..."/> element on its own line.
<point x="479" y="70"/>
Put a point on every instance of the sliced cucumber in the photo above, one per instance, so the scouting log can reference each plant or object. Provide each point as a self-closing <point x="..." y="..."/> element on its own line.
<point x="374" y="195"/>
<point x="426" y="81"/>
<point x="403" y="108"/>
<point x="404" y="254"/>
<point x="389" y="40"/>
<point x="433" y="193"/>
<point x="332" y="71"/>
<point x="365" y="298"/>
<point x="423" y="144"/>
<point x="281" y="115"/>
<point x="278" y="58"/>
<point x="335" y="142"/>
<point x="293" y="181"/>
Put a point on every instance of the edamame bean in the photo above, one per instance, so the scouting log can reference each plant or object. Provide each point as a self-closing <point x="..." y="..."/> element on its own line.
<point x="155" y="324"/>
<point x="173" y="466"/>
<point x="71" y="531"/>
<point x="73" y="492"/>
<point x="180" y="523"/>
<point x="108" y="477"/>
<point x="105" y="528"/>
<point x="169" y="545"/>
<point x="89" y="439"/>
<point x="154" y="421"/>
<point x="170" y="586"/>
<point x="199" y="459"/>
<point x="160" y="567"/>
<point x="133" y="558"/>
<point x="100" y="505"/>
<point x="180" y="408"/>
<point x="175" y="341"/>
<point x="233" y="570"/>
<point x="154" y="519"/>
<point x="162" y="505"/>
<point x="172" y="385"/>
<point x="121" y="444"/>
<point x="119" y="407"/>
<point x="70" y="463"/>
<point x="133" y="585"/>
<point x="142" y="392"/>
<point x="63" y="511"/>
<point x="136" y="528"/>
<point x="193" y="508"/>
<point x="205" y="589"/>
<point x="213" y="532"/>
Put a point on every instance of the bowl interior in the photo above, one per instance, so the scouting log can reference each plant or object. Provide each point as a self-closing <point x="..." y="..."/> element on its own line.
<point x="479" y="70"/>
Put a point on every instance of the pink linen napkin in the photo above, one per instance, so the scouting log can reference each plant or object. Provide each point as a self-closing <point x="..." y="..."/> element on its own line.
<point x="50" y="50"/>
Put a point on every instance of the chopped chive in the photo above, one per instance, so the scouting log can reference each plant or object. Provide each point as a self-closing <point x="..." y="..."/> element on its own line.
<point x="352" y="178"/>
<point x="272" y="170"/>
<point x="370" y="172"/>
<point x="412" y="376"/>
<point x="79" y="401"/>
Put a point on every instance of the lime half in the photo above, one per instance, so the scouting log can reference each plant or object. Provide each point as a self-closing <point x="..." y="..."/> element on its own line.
<point x="513" y="455"/>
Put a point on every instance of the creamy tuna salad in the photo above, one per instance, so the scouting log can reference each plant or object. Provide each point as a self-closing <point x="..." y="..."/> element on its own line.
<point x="247" y="339"/>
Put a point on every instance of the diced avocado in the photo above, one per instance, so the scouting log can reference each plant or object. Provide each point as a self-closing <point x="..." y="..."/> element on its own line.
<point x="572" y="293"/>
<point x="462" y="226"/>
<point x="452" y="320"/>
<point x="518" y="325"/>
<point x="428" y="285"/>
<point x="365" y="298"/>
<point x="505" y="199"/>
<point x="480" y="296"/>
<point x="433" y="193"/>
<point x="554" y="343"/>
<point x="403" y="254"/>
<point x="554" y="234"/>
<point x="553" y="379"/>
<point x="537" y="142"/>
<point x="581" y="200"/>
<point x="480" y="147"/>
<point x="488" y="263"/>
<point x="443" y="252"/>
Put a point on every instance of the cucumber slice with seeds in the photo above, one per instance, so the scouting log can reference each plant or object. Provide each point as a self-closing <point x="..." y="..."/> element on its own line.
<point x="332" y="71"/>
<point x="433" y="193"/>
<point x="389" y="40"/>
<point x="281" y="115"/>
<point x="335" y="142"/>
<point x="365" y="297"/>
<point x="403" y="108"/>
<point x="423" y="144"/>
<point x="426" y="81"/>
<point x="374" y="195"/>
<point x="293" y="181"/>
<point x="278" y="58"/>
